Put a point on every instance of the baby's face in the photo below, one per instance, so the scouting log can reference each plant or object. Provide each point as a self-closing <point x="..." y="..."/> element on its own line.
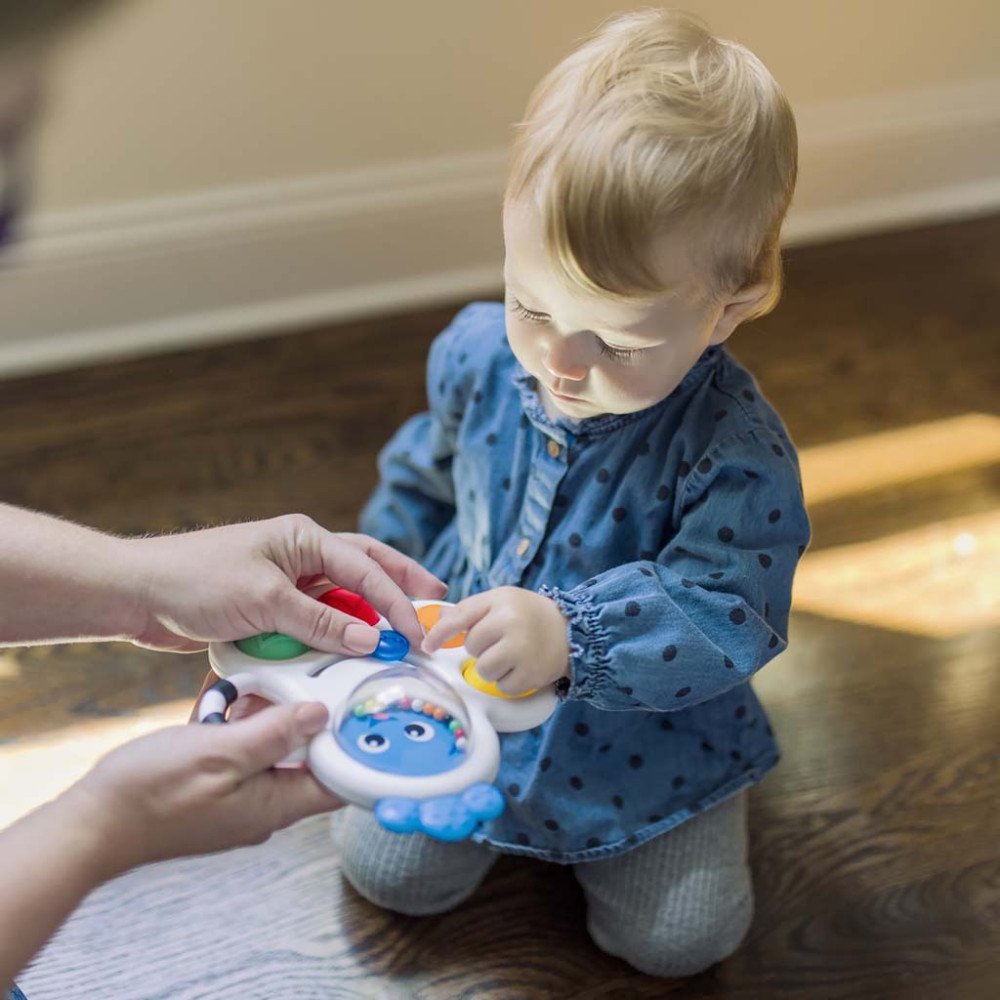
<point x="592" y="354"/>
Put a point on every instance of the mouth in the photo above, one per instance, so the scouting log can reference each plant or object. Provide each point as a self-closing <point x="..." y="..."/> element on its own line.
<point x="562" y="396"/>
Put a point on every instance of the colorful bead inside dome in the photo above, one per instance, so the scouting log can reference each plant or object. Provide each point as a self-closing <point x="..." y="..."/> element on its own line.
<point x="404" y="734"/>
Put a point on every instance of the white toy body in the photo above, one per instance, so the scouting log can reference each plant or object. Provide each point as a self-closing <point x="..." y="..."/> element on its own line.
<point x="316" y="676"/>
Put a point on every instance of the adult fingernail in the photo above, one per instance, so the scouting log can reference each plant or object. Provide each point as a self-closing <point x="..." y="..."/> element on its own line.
<point x="360" y="638"/>
<point x="311" y="718"/>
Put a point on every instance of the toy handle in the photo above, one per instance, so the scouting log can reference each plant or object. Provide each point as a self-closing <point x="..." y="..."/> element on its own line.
<point x="216" y="701"/>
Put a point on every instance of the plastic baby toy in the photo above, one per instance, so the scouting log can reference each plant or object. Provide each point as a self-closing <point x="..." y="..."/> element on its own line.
<point x="412" y="737"/>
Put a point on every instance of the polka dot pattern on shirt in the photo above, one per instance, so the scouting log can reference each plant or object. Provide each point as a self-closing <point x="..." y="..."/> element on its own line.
<point x="690" y="531"/>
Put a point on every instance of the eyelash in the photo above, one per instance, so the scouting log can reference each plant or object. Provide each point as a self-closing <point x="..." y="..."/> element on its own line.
<point x="623" y="356"/>
<point x="620" y="354"/>
<point x="528" y="314"/>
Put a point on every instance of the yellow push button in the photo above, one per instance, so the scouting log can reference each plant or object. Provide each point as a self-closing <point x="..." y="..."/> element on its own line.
<point x="523" y="545"/>
<point x="553" y="447"/>
<point x="471" y="677"/>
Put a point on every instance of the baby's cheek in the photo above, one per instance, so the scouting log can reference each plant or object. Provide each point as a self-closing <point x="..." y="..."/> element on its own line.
<point x="632" y="389"/>
<point x="521" y="342"/>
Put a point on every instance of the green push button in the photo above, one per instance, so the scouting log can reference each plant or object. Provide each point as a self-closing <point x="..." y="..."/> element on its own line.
<point x="272" y="646"/>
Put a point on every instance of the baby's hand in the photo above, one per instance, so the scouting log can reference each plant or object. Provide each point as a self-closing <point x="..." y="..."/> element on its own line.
<point x="517" y="636"/>
<point x="199" y="789"/>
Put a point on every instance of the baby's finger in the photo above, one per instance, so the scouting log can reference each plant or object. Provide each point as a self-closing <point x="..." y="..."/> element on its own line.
<point x="494" y="665"/>
<point x="486" y="632"/>
<point x="460" y="618"/>
<point x="513" y="683"/>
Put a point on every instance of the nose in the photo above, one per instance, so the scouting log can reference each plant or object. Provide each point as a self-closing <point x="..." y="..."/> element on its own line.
<point x="565" y="359"/>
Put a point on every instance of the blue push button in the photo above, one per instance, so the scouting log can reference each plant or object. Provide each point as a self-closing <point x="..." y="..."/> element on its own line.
<point x="392" y="645"/>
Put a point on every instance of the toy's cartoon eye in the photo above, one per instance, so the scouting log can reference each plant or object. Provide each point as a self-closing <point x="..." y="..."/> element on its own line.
<point x="418" y="732"/>
<point x="373" y="743"/>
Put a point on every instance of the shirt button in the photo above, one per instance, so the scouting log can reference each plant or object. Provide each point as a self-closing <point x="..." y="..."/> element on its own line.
<point x="553" y="448"/>
<point x="523" y="545"/>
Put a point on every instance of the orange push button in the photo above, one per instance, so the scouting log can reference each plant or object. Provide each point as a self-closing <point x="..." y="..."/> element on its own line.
<point x="428" y="616"/>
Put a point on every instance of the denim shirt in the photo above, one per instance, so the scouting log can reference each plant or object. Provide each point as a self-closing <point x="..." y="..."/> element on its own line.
<point x="667" y="537"/>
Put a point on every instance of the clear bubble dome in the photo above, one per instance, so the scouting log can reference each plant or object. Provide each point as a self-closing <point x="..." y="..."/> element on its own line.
<point x="405" y="721"/>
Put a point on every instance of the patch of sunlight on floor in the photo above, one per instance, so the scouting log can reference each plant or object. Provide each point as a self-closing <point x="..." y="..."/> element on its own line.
<point x="940" y="580"/>
<point x="875" y="461"/>
<point x="32" y="771"/>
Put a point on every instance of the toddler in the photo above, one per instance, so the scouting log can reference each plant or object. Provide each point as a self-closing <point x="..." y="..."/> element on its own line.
<point x="610" y="498"/>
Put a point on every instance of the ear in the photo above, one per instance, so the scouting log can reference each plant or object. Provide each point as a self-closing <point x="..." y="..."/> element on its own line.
<point x="737" y="308"/>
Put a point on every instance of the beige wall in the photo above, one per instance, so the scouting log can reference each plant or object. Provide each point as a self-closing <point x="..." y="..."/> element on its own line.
<point x="172" y="96"/>
<point x="214" y="169"/>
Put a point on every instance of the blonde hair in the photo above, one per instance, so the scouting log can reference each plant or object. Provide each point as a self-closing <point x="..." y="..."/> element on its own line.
<point x="653" y="124"/>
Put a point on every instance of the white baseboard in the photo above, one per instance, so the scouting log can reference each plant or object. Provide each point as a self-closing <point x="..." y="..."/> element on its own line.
<point x="896" y="159"/>
<point x="124" y="279"/>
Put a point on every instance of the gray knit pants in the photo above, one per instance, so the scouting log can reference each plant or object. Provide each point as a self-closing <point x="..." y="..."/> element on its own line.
<point x="670" y="907"/>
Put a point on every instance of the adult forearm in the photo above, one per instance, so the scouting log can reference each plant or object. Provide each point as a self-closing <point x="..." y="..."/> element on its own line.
<point x="61" y="581"/>
<point x="49" y="861"/>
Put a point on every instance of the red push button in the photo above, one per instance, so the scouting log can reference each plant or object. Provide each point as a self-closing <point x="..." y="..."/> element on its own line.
<point x="350" y="603"/>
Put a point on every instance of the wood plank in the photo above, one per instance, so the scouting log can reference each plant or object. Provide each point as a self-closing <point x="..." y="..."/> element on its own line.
<point x="890" y="458"/>
<point x="941" y="580"/>
<point x="874" y="844"/>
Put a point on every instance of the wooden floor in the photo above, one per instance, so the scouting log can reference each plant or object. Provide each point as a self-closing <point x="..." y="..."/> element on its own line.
<point x="876" y="843"/>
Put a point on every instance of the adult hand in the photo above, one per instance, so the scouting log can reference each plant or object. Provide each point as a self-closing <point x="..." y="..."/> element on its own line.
<point x="235" y="581"/>
<point x="186" y="790"/>
<point x="199" y="789"/>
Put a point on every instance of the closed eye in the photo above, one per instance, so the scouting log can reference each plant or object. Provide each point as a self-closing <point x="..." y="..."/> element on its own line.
<point x="623" y="355"/>
<point x="529" y="314"/>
